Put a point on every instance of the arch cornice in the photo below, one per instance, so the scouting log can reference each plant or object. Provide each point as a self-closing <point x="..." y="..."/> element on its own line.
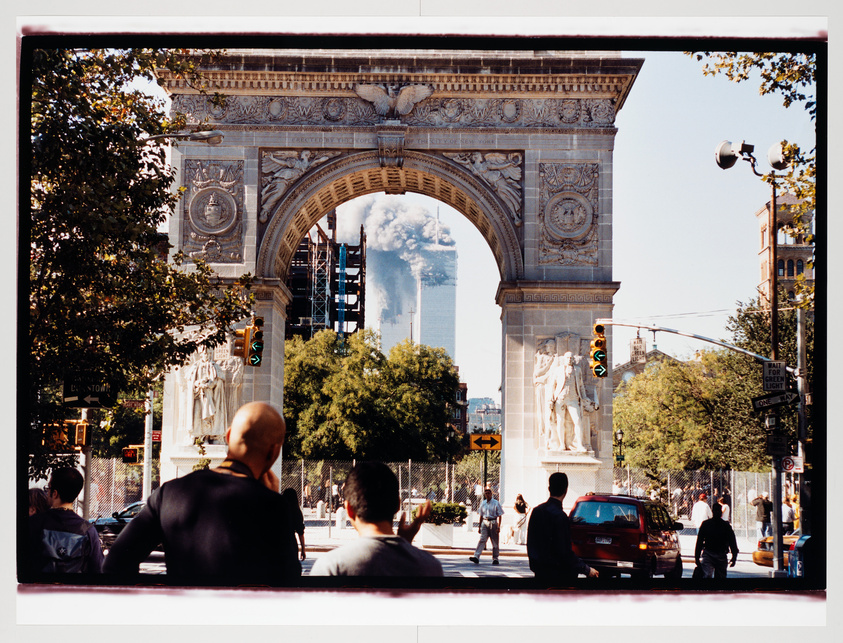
<point x="347" y="177"/>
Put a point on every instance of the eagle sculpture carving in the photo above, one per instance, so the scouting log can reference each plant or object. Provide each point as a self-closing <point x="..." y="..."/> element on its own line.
<point x="387" y="103"/>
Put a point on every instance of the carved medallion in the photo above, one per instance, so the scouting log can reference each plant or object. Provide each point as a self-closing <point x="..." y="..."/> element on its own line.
<point x="213" y="208"/>
<point x="568" y="213"/>
<point x="212" y="211"/>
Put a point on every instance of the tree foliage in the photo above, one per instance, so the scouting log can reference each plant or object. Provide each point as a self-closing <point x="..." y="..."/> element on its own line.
<point x="103" y="299"/>
<point x="698" y="414"/>
<point x="793" y="76"/>
<point x="351" y="401"/>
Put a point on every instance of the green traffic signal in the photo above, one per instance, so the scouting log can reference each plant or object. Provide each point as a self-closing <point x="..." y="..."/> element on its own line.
<point x="254" y="352"/>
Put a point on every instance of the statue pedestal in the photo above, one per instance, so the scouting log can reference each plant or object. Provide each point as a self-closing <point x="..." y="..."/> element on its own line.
<point x="181" y="460"/>
<point x="585" y="473"/>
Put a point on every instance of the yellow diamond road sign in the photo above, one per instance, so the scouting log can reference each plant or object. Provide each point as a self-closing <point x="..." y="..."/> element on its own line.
<point x="486" y="442"/>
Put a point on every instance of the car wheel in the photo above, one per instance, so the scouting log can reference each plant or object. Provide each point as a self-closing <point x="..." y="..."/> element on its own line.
<point x="676" y="572"/>
<point x="646" y="573"/>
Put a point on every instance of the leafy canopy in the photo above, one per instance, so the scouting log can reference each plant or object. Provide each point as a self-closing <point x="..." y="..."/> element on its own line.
<point x="351" y="401"/>
<point x="103" y="298"/>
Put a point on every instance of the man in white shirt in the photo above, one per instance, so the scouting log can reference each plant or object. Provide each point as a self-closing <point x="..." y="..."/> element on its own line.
<point x="701" y="511"/>
<point x="490" y="527"/>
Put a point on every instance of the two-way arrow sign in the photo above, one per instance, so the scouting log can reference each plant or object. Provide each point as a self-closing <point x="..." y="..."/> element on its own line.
<point x="773" y="400"/>
<point x="486" y="442"/>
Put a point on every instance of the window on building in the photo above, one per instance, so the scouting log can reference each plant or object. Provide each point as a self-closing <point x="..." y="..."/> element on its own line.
<point x="790" y="267"/>
<point x="800" y="266"/>
<point x="781" y="267"/>
<point x="764" y="237"/>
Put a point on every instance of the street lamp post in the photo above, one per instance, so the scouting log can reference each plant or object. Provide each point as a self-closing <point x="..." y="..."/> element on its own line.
<point x="619" y="439"/>
<point x="726" y="155"/>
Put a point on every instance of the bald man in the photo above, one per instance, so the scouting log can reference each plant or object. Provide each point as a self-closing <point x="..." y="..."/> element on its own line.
<point x="226" y="526"/>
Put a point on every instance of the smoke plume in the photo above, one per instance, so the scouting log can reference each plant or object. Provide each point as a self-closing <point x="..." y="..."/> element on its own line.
<point x="402" y="239"/>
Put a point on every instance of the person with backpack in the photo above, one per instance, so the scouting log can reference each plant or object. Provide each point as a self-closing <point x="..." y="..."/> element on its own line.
<point x="61" y="541"/>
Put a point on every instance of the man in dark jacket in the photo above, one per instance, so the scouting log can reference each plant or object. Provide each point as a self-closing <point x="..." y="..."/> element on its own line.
<point x="60" y="541"/>
<point x="763" y="514"/>
<point x="224" y="526"/>
<point x="715" y="539"/>
<point x="549" y="538"/>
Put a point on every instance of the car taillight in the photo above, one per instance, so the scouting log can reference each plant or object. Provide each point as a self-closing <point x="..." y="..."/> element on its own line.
<point x="642" y="543"/>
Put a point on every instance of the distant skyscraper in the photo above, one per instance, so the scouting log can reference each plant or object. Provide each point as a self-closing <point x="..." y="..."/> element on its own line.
<point x="431" y="315"/>
<point x="437" y="299"/>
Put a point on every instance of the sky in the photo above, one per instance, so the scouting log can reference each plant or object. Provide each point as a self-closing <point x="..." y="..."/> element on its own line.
<point x="685" y="238"/>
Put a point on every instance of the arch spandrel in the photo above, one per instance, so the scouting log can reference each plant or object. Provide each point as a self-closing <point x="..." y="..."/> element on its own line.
<point x="348" y="177"/>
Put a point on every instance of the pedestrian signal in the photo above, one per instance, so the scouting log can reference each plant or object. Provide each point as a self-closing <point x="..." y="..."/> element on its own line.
<point x="254" y="342"/>
<point x="599" y="352"/>
<point x="130" y="455"/>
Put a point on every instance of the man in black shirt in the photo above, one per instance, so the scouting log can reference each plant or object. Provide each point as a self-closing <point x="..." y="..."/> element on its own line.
<point x="715" y="539"/>
<point x="549" y="538"/>
<point x="224" y="526"/>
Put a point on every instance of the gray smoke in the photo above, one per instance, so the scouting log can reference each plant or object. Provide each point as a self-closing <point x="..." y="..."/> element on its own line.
<point x="401" y="247"/>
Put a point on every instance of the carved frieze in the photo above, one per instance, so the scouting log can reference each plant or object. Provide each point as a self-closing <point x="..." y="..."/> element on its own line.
<point x="425" y="110"/>
<point x="279" y="169"/>
<point x="213" y="210"/>
<point x="500" y="171"/>
<point x="568" y="213"/>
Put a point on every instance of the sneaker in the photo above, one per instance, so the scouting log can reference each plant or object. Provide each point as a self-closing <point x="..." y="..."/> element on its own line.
<point x="474" y="560"/>
<point x="496" y="562"/>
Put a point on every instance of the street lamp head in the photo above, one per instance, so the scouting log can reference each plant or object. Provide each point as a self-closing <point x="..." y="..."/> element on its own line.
<point x="726" y="154"/>
<point x="211" y="137"/>
<point x="775" y="157"/>
<point x="619" y="435"/>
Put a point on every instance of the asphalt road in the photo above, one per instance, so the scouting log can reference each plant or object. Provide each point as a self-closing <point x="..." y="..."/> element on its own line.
<point x="458" y="565"/>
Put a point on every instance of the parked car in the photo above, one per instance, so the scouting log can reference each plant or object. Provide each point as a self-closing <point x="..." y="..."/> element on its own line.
<point x="109" y="528"/>
<point x="763" y="555"/>
<point x="626" y="535"/>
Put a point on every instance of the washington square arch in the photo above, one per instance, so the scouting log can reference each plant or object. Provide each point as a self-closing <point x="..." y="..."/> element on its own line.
<point x="519" y="142"/>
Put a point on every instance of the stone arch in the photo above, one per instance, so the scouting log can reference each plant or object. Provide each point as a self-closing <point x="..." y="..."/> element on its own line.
<point x="348" y="177"/>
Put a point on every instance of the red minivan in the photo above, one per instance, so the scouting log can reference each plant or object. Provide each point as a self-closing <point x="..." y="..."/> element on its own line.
<point x="626" y="535"/>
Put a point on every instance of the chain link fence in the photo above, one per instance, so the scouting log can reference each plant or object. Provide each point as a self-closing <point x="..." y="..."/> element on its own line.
<point x="679" y="490"/>
<point x="115" y="484"/>
<point x="323" y="480"/>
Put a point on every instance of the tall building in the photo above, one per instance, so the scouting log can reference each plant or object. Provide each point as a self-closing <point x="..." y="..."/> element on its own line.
<point x="793" y="251"/>
<point x="430" y="316"/>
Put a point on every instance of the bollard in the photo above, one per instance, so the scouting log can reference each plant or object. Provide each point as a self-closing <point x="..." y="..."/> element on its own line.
<point x="320" y="510"/>
<point x="341" y="518"/>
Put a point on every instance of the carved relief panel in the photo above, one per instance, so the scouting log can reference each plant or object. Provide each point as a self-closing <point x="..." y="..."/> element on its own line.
<point x="213" y="210"/>
<point x="279" y="169"/>
<point x="568" y="213"/>
<point x="499" y="170"/>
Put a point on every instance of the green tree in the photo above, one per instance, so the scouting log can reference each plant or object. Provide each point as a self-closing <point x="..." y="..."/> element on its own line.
<point x="793" y="76"/>
<point x="353" y="402"/>
<point x="103" y="299"/>
<point x="698" y="414"/>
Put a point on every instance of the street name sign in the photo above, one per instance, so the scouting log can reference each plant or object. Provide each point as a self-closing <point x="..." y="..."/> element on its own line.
<point x="774" y="400"/>
<point x="486" y="442"/>
<point x="774" y="376"/>
<point x="84" y="391"/>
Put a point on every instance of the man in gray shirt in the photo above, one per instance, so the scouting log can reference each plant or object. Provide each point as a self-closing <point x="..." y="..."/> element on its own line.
<point x="371" y="501"/>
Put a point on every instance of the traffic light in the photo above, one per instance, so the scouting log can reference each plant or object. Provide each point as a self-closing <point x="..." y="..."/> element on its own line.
<point x="254" y="342"/>
<point x="599" y="352"/>
<point x="130" y="455"/>
<point x="241" y="340"/>
<point x="81" y="434"/>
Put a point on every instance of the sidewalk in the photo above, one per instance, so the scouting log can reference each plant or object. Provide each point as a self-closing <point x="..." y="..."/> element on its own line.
<point x="319" y="537"/>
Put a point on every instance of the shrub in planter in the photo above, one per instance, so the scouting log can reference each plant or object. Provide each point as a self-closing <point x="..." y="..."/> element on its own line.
<point x="445" y="513"/>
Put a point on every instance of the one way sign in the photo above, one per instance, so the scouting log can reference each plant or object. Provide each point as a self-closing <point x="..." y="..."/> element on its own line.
<point x="486" y="442"/>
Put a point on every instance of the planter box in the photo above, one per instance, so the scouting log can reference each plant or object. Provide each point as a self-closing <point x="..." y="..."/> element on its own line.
<point x="437" y="535"/>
